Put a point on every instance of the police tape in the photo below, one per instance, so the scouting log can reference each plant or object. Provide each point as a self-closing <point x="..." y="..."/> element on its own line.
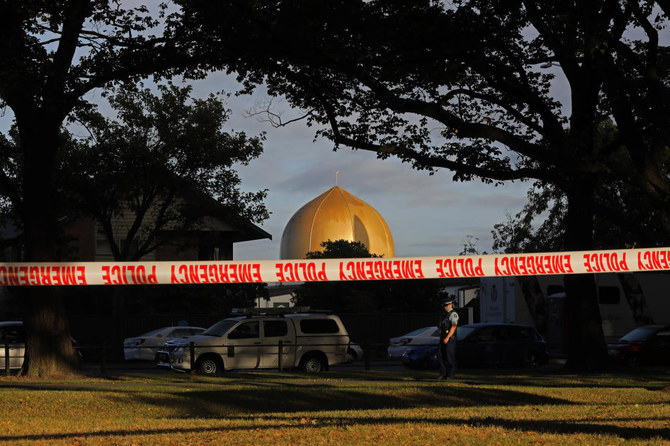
<point x="322" y="270"/>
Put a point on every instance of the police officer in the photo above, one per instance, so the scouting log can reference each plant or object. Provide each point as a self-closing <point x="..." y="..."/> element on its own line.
<point x="447" y="350"/>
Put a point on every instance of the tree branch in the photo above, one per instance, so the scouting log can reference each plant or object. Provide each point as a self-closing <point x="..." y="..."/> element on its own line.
<point x="274" y="118"/>
<point x="465" y="129"/>
<point x="424" y="159"/>
<point x="75" y="13"/>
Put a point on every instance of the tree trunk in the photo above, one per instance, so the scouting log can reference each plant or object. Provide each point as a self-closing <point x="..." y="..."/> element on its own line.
<point x="48" y="343"/>
<point x="586" y="342"/>
<point x="49" y="349"/>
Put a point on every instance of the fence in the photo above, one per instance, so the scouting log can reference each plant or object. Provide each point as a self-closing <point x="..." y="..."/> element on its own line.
<point x="101" y="356"/>
<point x="100" y="338"/>
<point x="95" y="333"/>
<point x="9" y="357"/>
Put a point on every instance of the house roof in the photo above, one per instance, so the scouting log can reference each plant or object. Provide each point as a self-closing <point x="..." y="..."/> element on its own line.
<point x="223" y="218"/>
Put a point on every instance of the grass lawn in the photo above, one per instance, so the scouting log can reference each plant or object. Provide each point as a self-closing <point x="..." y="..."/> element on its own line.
<point x="358" y="408"/>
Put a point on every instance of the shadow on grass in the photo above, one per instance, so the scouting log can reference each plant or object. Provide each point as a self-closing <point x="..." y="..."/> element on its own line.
<point x="256" y="396"/>
<point x="540" y="427"/>
<point x="653" y="378"/>
<point x="648" y="378"/>
<point x="319" y="398"/>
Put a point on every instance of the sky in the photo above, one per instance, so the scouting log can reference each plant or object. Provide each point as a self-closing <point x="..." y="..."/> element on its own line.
<point x="428" y="215"/>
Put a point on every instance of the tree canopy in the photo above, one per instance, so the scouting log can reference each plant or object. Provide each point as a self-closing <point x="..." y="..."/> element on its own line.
<point x="165" y="163"/>
<point x="467" y="86"/>
<point x="623" y="217"/>
<point x="341" y="249"/>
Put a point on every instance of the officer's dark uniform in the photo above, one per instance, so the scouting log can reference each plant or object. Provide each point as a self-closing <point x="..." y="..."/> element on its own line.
<point x="447" y="352"/>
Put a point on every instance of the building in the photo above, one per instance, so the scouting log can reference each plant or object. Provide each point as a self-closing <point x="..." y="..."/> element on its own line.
<point x="213" y="238"/>
<point x="335" y="215"/>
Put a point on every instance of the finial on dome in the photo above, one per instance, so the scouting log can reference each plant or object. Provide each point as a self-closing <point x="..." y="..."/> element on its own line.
<point x="337" y="172"/>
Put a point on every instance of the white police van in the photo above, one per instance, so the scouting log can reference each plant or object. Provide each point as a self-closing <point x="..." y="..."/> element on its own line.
<point x="309" y="341"/>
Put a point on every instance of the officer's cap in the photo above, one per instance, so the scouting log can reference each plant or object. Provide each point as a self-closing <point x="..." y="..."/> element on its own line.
<point x="448" y="301"/>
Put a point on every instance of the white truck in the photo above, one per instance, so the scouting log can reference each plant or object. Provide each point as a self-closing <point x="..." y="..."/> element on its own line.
<point x="310" y="342"/>
<point x="626" y="300"/>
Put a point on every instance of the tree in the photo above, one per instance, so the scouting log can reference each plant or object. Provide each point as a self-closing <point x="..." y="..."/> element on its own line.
<point x="540" y="227"/>
<point x="164" y="165"/>
<point x="341" y="249"/>
<point x="470" y="246"/>
<point x="53" y="54"/>
<point x="156" y="173"/>
<point x="519" y="233"/>
<point x="380" y="75"/>
<point x="621" y="215"/>
<point x="339" y="297"/>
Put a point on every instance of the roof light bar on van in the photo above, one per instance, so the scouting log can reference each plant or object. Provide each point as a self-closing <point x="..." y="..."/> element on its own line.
<point x="270" y="311"/>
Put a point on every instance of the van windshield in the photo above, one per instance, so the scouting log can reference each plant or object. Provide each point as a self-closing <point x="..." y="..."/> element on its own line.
<point x="220" y="328"/>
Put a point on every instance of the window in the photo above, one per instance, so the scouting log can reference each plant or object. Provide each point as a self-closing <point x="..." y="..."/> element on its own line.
<point x="418" y="332"/>
<point x="275" y="329"/>
<point x="516" y="333"/>
<point x="486" y="334"/>
<point x="102" y="247"/>
<point x="151" y="333"/>
<point x="640" y="334"/>
<point x="313" y="326"/>
<point x="220" y="328"/>
<point x="248" y="330"/>
<point x="180" y="333"/>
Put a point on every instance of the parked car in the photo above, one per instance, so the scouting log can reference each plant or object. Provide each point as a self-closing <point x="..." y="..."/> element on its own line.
<point x="13" y="334"/>
<point x="163" y="353"/>
<point x="487" y="344"/>
<point x="645" y="345"/>
<point x="422" y="336"/>
<point x="311" y="342"/>
<point x="354" y="352"/>
<point x="145" y="346"/>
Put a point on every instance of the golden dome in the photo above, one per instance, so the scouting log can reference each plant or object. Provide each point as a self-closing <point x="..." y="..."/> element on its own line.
<point x="335" y="215"/>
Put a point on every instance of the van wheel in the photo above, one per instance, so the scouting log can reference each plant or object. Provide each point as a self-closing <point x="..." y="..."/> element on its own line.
<point x="209" y="366"/>
<point x="312" y="364"/>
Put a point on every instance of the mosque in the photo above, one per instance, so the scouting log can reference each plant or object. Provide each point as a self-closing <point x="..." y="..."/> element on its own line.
<point x="335" y="215"/>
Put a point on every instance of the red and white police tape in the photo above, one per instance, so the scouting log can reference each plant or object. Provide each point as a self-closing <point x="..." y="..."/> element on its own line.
<point x="202" y="272"/>
<point x="492" y="265"/>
